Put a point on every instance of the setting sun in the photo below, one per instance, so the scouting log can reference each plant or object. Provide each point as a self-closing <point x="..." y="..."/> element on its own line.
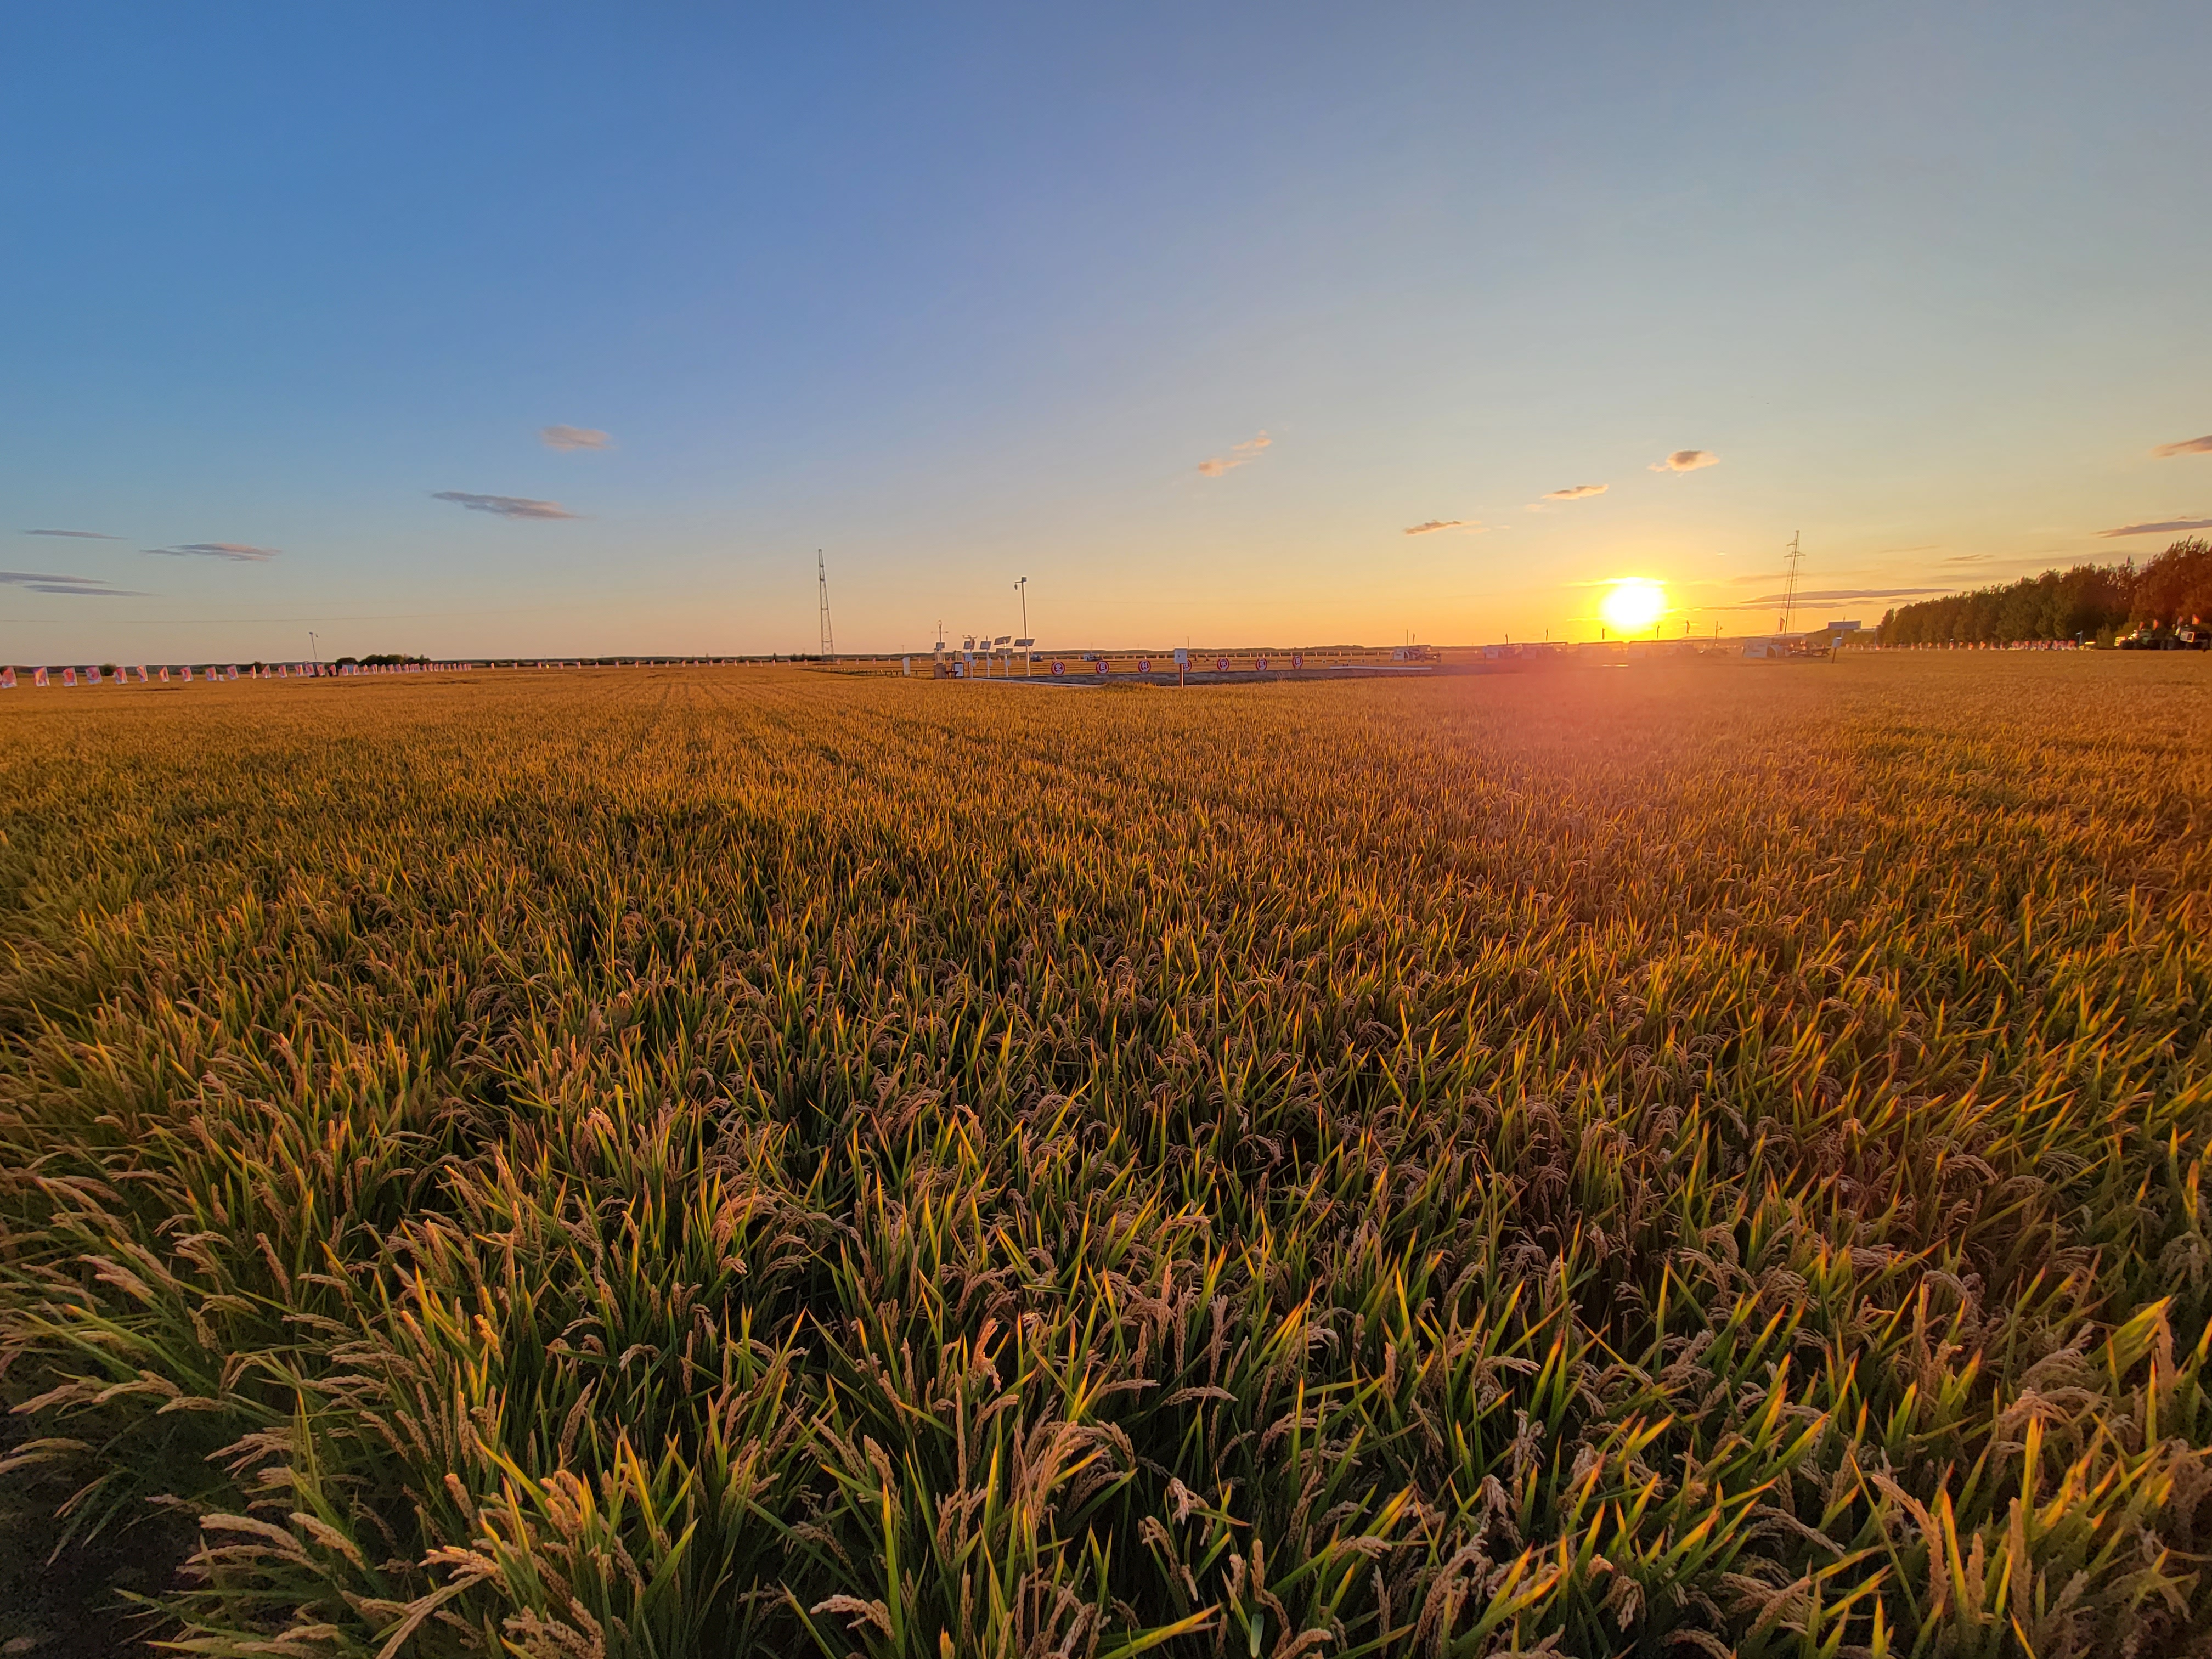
<point x="1633" y="604"/>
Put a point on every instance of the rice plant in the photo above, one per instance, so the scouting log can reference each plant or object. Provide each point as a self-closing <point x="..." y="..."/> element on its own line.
<point x="1701" y="1159"/>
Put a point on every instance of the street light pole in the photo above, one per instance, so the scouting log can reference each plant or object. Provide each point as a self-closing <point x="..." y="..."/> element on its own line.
<point x="1022" y="587"/>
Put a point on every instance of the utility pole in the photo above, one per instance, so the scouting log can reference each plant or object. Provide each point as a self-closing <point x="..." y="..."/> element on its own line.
<point x="1789" y="586"/>
<point x="313" y="654"/>
<point x="822" y="581"/>
<point x="1022" y="587"/>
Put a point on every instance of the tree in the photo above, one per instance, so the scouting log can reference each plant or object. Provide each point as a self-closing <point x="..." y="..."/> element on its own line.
<point x="2055" y="605"/>
<point x="2175" y="588"/>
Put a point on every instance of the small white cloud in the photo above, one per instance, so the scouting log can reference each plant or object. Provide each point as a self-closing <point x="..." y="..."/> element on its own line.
<point x="1686" y="460"/>
<point x="2187" y="447"/>
<point x="505" y="507"/>
<point x="1251" y="450"/>
<point x="1576" y="492"/>
<point x="574" y="437"/>
<point x="1467" y="527"/>
<point x="236" y="552"/>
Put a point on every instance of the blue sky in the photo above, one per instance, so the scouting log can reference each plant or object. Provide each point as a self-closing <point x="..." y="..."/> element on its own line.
<point x="961" y="294"/>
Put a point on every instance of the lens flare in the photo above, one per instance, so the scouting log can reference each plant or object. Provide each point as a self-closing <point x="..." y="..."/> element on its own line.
<point x="1633" y="604"/>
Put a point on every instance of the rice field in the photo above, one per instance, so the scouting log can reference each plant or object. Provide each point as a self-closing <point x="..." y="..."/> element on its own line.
<point x="1704" y="1158"/>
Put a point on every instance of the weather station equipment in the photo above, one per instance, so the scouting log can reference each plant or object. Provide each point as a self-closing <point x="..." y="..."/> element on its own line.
<point x="1022" y="587"/>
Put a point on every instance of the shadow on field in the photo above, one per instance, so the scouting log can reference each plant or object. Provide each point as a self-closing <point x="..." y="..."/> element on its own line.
<point x="76" y="1606"/>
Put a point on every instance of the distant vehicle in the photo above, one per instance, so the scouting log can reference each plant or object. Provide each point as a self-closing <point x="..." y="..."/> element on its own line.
<point x="1789" y="648"/>
<point x="2192" y="637"/>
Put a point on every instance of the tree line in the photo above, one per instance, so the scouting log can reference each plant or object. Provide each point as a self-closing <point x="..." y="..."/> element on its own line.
<point x="2088" y="602"/>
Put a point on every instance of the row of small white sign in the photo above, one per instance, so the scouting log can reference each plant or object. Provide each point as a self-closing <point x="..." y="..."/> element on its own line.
<point x="1182" y="660"/>
<point x="1144" y="663"/>
<point x="283" y="671"/>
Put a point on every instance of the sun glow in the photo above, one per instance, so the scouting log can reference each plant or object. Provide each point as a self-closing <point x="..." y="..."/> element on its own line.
<point x="1633" y="604"/>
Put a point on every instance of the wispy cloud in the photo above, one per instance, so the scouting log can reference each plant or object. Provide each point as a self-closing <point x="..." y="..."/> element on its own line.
<point x="506" y="507"/>
<point x="1967" y="558"/>
<point x="237" y="552"/>
<point x="2162" y="527"/>
<point x="2187" y="447"/>
<point x="83" y="587"/>
<point x="77" y="535"/>
<point x="1686" y="460"/>
<point x="1575" y="492"/>
<point x="573" y="437"/>
<point x="1469" y="526"/>
<point x="1251" y="450"/>
<point x="1835" y="596"/>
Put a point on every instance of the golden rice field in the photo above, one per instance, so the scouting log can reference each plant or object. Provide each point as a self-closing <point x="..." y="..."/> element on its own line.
<point x="1698" y="1159"/>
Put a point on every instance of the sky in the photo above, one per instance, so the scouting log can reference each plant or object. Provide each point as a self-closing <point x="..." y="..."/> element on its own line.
<point x="496" y="329"/>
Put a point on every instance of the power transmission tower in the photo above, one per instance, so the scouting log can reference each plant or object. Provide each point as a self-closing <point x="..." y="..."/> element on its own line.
<point x="1788" y="587"/>
<point x="822" y="581"/>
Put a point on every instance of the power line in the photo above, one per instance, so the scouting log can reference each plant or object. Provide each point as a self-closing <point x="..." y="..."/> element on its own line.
<point x="318" y="617"/>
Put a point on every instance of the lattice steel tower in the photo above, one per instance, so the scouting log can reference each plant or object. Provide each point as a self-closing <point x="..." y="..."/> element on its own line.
<point x="822" y="581"/>
<point x="1788" y="587"/>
